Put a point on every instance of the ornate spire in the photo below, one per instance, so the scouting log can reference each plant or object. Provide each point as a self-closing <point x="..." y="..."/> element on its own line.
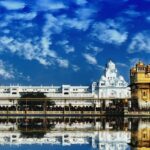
<point x="111" y="76"/>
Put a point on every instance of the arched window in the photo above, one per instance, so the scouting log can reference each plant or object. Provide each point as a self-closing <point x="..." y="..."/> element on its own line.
<point x="144" y="93"/>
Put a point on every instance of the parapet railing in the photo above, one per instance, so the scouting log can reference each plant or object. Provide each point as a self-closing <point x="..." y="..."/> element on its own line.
<point x="63" y="98"/>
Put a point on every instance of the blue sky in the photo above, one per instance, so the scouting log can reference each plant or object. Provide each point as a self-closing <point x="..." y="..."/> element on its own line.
<point x="70" y="41"/>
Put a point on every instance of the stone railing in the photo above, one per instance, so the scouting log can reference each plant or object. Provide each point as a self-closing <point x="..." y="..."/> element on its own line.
<point x="69" y="95"/>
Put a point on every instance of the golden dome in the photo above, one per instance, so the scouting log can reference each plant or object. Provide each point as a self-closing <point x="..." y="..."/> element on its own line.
<point x="140" y="63"/>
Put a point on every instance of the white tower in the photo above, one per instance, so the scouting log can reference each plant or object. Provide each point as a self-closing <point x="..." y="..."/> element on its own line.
<point x="111" y="84"/>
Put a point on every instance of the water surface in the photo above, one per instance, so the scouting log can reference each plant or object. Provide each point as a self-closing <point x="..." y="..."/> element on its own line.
<point x="71" y="133"/>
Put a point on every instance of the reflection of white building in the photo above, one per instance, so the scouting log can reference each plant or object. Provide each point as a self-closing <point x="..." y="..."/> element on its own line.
<point x="111" y="85"/>
<point x="66" y="134"/>
<point x="110" y="140"/>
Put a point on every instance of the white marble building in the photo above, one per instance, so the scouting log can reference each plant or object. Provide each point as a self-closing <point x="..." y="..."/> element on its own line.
<point x="111" y="84"/>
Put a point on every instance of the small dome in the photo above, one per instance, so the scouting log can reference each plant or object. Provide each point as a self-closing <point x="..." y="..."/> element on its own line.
<point x="121" y="78"/>
<point x="103" y="77"/>
<point x="111" y="65"/>
<point x="140" y="63"/>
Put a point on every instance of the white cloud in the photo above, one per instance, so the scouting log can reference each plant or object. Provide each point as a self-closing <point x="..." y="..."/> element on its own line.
<point x="79" y="24"/>
<point x="43" y="61"/>
<point x="55" y="25"/>
<point x="85" y="13"/>
<point x="22" y="48"/>
<point x="63" y="63"/>
<point x="63" y="42"/>
<point x="66" y="46"/>
<point x="6" y="70"/>
<point x="81" y="21"/>
<point x="45" y="42"/>
<point x="52" y="5"/>
<point x="5" y="40"/>
<point x="6" y="31"/>
<point x="90" y="59"/>
<point x="76" y="23"/>
<point x="3" y="24"/>
<point x="39" y="48"/>
<point x="81" y="2"/>
<point x="148" y="18"/>
<point x="51" y="26"/>
<point x="95" y="49"/>
<point x="21" y="16"/>
<point x="69" y="49"/>
<point x="121" y="64"/>
<point x="132" y="13"/>
<point x="22" y="76"/>
<point x="110" y="32"/>
<point x="140" y="43"/>
<point x="75" y="68"/>
<point x="100" y="67"/>
<point x="12" y="5"/>
<point x="31" y="51"/>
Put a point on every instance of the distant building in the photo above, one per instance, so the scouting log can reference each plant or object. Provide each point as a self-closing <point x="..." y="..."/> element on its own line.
<point x="140" y="84"/>
<point x="110" y="86"/>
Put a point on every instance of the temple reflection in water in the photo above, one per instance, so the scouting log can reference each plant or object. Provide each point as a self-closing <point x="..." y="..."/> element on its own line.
<point x="99" y="133"/>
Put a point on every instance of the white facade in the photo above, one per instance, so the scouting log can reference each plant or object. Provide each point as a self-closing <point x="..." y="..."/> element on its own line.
<point x="112" y="85"/>
<point x="49" y="91"/>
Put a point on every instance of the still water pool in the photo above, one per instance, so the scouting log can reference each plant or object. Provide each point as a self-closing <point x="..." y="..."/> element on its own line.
<point x="75" y="133"/>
